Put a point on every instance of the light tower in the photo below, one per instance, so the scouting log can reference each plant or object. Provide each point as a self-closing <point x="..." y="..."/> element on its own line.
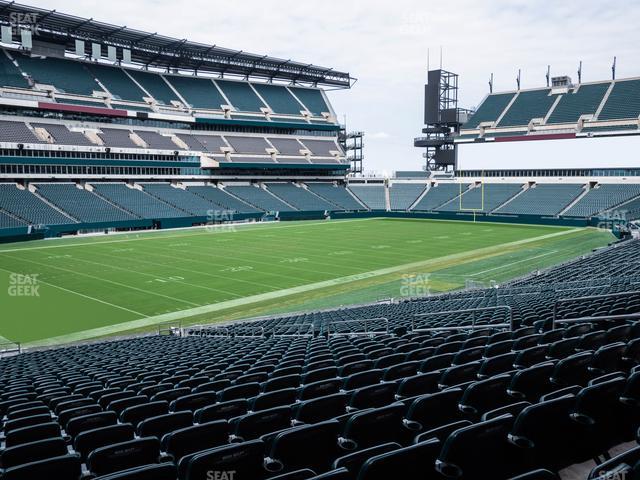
<point x="442" y="119"/>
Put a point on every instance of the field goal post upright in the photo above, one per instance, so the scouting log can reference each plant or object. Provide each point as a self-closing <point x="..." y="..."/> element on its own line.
<point x="472" y="210"/>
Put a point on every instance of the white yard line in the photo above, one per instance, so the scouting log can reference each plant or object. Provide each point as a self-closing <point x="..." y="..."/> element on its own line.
<point x="156" y="235"/>
<point x="513" y="263"/>
<point x="130" y="287"/>
<point x="82" y="295"/>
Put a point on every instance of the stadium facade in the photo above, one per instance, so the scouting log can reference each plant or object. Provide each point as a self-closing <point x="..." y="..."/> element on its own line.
<point x="92" y="112"/>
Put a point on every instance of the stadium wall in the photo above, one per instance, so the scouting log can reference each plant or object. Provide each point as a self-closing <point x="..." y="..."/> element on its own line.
<point x="479" y="217"/>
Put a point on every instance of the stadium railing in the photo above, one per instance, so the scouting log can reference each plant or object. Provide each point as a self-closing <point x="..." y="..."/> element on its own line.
<point x="560" y="301"/>
<point x="364" y="322"/>
<point x="472" y="311"/>
<point x="10" y="348"/>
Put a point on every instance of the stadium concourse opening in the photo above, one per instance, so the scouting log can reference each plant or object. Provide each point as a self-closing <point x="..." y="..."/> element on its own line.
<point x="199" y="280"/>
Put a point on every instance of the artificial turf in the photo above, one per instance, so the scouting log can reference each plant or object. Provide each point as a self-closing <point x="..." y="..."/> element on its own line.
<point x="99" y="286"/>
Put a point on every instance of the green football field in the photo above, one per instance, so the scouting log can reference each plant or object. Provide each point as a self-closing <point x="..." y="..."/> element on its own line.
<point x="60" y="290"/>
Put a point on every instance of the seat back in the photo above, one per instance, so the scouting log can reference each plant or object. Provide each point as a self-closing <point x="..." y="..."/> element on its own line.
<point x="121" y="456"/>
<point x="309" y="446"/>
<point x="245" y="459"/>
<point x="414" y="462"/>
<point x="33" y="451"/>
<point x="163" y="424"/>
<point x="89" y="440"/>
<point x="66" y="467"/>
<point x="479" y="451"/>
<point x="195" y="438"/>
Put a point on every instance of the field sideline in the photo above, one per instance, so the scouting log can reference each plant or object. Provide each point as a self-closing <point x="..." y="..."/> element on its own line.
<point x="97" y="286"/>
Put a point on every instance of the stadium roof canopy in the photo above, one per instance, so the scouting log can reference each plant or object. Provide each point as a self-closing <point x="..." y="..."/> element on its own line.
<point x="153" y="50"/>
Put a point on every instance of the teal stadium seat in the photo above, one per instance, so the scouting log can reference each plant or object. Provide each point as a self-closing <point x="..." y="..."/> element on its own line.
<point x="485" y="199"/>
<point x="82" y="204"/>
<point x="155" y="85"/>
<point x="279" y="98"/>
<point x="29" y="208"/>
<point x="489" y="110"/>
<point x="10" y="75"/>
<point x="585" y="100"/>
<point x="182" y="199"/>
<point x="544" y="199"/>
<point x="439" y="195"/>
<point x="68" y="76"/>
<point x="8" y="221"/>
<point x="337" y="195"/>
<point x="604" y="197"/>
<point x="241" y="96"/>
<point x="372" y="196"/>
<point x="137" y="202"/>
<point x="259" y="198"/>
<point x="299" y="197"/>
<point x="403" y="195"/>
<point x="117" y="82"/>
<point x="222" y="199"/>
<point x="528" y="105"/>
<point x="312" y="99"/>
<point x="623" y="101"/>
<point x="198" y="92"/>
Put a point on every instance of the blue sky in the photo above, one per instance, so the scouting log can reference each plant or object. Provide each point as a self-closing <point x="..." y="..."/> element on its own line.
<point x="384" y="44"/>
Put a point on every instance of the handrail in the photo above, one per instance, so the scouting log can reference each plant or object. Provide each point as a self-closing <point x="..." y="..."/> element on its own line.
<point x="464" y="310"/>
<point x="587" y="297"/>
<point x="359" y="320"/>
<point x="168" y="327"/>
<point x="298" y="326"/>
<point x="464" y="327"/>
<point x="16" y="350"/>
<point x="599" y="318"/>
<point x="211" y="329"/>
<point x="259" y="329"/>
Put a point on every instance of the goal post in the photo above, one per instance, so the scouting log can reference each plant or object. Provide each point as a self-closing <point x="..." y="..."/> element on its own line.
<point x="473" y="210"/>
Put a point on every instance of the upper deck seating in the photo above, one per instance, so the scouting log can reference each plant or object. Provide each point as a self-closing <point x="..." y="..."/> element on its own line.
<point x="67" y="76"/>
<point x="529" y="104"/>
<point x="61" y="135"/>
<point x="489" y="110"/>
<point x="17" y="132"/>
<point x="197" y="92"/>
<point x="117" y="138"/>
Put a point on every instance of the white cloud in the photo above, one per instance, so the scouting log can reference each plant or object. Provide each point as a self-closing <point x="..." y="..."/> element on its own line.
<point x="384" y="44"/>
